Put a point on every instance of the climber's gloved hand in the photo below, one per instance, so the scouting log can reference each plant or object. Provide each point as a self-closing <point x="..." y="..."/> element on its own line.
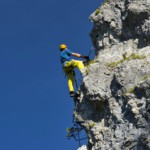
<point x="86" y="57"/>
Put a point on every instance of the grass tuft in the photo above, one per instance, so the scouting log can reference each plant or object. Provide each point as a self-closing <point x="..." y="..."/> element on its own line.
<point x="91" y="125"/>
<point x="99" y="9"/>
<point x="131" y="90"/>
<point x="131" y="57"/>
<point x="97" y="12"/>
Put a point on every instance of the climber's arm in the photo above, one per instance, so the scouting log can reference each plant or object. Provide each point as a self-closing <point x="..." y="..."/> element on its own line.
<point x="77" y="55"/>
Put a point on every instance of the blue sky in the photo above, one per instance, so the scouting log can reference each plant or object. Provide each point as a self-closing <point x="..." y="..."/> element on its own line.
<point x="35" y="107"/>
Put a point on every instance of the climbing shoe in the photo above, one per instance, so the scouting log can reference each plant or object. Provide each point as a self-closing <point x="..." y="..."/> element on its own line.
<point x="74" y="94"/>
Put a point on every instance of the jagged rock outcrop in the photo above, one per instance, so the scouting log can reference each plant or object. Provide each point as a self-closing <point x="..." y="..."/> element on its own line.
<point x="114" y="106"/>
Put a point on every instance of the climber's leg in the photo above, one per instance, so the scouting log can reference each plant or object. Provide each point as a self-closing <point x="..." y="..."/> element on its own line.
<point x="78" y="64"/>
<point x="70" y="75"/>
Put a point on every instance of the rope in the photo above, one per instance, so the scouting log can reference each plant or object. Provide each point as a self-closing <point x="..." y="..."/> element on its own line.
<point x="76" y="83"/>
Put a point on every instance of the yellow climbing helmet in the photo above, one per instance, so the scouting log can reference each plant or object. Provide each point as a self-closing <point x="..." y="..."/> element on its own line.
<point x="62" y="46"/>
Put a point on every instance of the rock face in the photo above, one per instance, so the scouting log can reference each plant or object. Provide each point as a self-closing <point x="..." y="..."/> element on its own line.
<point x="114" y="106"/>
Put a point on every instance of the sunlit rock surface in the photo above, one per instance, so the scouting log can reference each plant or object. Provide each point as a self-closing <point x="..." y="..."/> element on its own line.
<point x="114" y="106"/>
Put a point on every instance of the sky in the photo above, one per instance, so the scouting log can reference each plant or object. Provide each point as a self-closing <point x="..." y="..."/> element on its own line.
<point x="35" y="107"/>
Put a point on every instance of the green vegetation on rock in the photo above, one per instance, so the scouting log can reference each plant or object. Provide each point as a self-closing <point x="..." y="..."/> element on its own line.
<point x="131" y="57"/>
<point x="97" y="12"/>
<point x="146" y="77"/>
<point x="131" y="90"/>
<point x="99" y="9"/>
<point x="91" y="125"/>
<point x="88" y="64"/>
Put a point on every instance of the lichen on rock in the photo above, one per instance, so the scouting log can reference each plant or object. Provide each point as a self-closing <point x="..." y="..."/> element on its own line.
<point x="114" y="105"/>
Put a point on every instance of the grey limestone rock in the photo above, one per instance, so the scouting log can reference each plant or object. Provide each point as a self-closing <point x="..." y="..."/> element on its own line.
<point x="114" y="105"/>
<point x="120" y="20"/>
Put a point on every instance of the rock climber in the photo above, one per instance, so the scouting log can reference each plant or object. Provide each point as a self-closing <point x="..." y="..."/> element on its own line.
<point x="68" y="66"/>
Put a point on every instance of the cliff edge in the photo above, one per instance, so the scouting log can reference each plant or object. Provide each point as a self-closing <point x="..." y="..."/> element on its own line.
<point x="114" y="106"/>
